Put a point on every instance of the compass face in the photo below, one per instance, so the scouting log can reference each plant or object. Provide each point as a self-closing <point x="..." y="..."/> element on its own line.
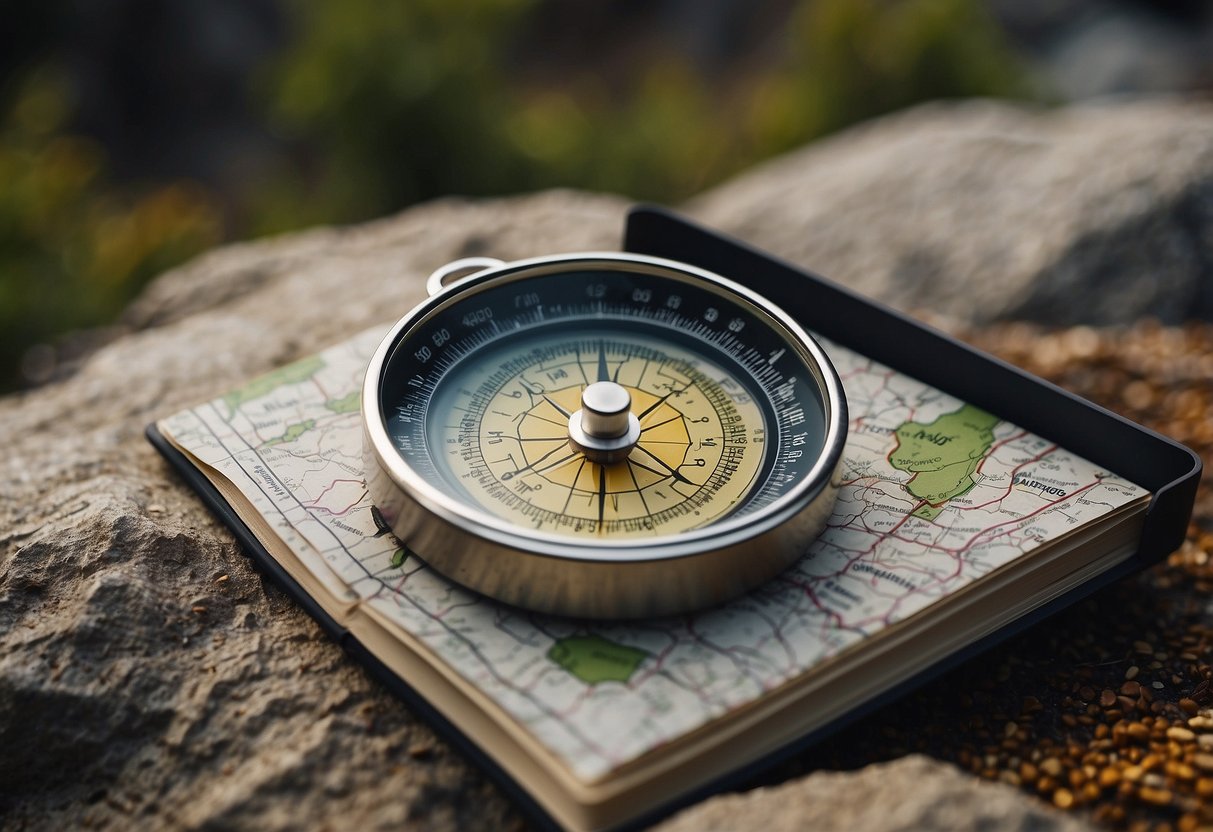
<point x="700" y="450"/>
<point x="477" y="398"/>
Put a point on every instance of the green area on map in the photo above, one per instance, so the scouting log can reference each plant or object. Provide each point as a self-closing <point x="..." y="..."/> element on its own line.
<point x="345" y="404"/>
<point x="943" y="454"/>
<point x="927" y="511"/>
<point x="293" y="432"/>
<point x="594" y="659"/>
<point x="260" y="386"/>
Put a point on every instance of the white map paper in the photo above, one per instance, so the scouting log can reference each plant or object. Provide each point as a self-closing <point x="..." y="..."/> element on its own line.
<point x="911" y="525"/>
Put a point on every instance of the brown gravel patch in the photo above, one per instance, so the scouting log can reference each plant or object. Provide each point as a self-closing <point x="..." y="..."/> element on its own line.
<point x="1106" y="709"/>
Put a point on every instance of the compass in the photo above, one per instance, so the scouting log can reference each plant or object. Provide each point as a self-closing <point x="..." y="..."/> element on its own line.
<point x="601" y="435"/>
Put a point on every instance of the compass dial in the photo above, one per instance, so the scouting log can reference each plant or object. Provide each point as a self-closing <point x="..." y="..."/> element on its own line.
<point x="699" y="452"/>
<point x="537" y="422"/>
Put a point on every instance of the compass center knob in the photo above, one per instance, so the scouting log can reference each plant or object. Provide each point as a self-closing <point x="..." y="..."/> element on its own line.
<point x="605" y="429"/>
<point x="605" y="407"/>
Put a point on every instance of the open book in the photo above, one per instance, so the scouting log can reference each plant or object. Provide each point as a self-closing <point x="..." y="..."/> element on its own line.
<point x="950" y="524"/>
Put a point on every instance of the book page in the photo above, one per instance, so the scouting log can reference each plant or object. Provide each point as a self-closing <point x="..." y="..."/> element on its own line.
<point x="935" y="494"/>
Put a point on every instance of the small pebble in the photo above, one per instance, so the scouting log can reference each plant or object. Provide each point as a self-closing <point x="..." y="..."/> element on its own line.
<point x="1180" y="734"/>
<point x="1180" y="771"/>
<point x="1157" y="797"/>
<point x="1132" y="672"/>
<point x="1138" y="731"/>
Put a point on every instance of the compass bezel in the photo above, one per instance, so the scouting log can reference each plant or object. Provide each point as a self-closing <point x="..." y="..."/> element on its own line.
<point x="430" y="521"/>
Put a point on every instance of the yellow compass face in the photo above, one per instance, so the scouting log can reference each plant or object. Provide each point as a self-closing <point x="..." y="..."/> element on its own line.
<point x="699" y="452"/>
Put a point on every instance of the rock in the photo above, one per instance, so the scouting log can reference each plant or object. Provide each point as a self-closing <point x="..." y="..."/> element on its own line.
<point x="906" y="795"/>
<point x="983" y="211"/>
<point x="148" y="675"/>
<point x="1090" y="48"/>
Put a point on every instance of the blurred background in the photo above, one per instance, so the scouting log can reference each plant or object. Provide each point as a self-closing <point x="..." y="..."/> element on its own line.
<point x="136" y="133"/>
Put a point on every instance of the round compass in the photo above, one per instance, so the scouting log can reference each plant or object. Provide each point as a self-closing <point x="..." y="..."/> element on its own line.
<point x="602" y="435"/>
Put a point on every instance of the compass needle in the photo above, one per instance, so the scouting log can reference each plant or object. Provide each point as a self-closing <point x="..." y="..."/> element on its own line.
<point x="563" y="412"/>
<point x="627" y="431"/>
<point x="601" y="495"/>
<point x="604" y="374"/>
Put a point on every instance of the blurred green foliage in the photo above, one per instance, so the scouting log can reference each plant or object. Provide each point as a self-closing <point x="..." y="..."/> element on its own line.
<point x="390" y="104"/>
<point x="74" y="246"/>
<point x="378" y="106"/>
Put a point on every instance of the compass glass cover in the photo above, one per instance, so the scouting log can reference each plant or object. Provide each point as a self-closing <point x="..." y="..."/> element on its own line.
<point x="477" y="399"/>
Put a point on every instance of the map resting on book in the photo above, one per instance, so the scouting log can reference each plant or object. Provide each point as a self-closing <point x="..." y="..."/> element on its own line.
<point x="954" y="524"/>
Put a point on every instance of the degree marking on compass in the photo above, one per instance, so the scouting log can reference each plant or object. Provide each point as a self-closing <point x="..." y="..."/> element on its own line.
<point x="674" y="488"/>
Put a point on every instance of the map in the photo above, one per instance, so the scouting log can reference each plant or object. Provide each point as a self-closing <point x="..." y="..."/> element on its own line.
<point x="936" y="493"/>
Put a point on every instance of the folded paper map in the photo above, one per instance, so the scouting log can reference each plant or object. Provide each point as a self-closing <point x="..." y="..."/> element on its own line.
<point x="937" y="496"/>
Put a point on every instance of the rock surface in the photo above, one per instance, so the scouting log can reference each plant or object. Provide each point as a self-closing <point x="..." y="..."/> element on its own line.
<point x="149" y="677"/>
<point x="906" y="795"/>
<point x="982" y="211"/>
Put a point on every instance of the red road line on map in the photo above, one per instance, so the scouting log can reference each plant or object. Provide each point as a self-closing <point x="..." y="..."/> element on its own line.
<point x="1014" y="471"/>
<point x="313" y="504"/>
<point x="986" y="530"/>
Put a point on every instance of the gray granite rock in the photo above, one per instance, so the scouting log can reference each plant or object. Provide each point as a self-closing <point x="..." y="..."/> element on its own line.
<point x="981" y="211"/>
<point x="907" y="795"/>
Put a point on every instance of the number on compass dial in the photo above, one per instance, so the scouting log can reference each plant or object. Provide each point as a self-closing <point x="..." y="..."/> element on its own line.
<point x="505" y="414"/>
